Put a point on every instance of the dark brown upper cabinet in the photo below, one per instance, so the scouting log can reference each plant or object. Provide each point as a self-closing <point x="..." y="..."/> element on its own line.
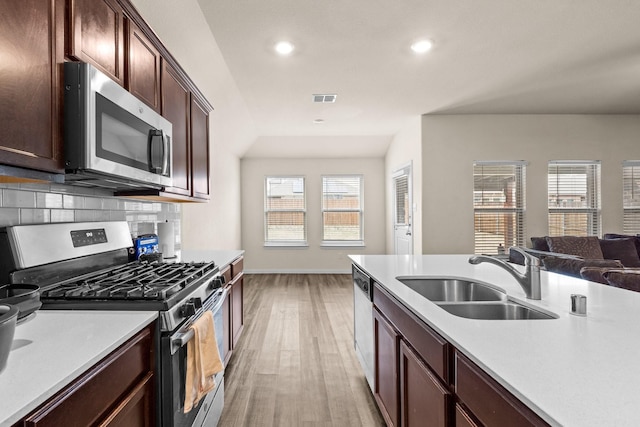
<point x="200" y="148"/>
<point x="143" y="67"/>
<point x="32" y="51"/>
<point x="38" y="36"/>
<point x="176" y="107"/>
<point x="96" y="35"/>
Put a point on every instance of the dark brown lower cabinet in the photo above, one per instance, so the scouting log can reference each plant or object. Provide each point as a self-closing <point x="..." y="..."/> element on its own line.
<point x="117" y="391"/>
<point x="226" y="315"/>
<point x="490" y="402"/>
<point x="386" y="343"/>
<point x="422" y="380"/>
<point x="424" y="400"/>
<point x="237" y="308"/>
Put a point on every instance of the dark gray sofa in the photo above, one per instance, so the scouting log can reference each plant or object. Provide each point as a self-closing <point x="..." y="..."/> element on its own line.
<point x="589" y="257"/>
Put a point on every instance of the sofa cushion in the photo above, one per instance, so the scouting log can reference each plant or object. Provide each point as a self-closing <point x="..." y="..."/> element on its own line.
<point x="572" y="267"/>
<point x="594" y="274"/>
<point x="539" y="244"/>
<point x="587" y="247"/>
<point x="623" y="250"/>
<point x="625" y="279"/>
<point x="636" y="239"/>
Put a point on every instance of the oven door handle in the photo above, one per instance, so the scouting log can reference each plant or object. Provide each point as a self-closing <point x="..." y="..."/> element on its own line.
<point x="181" y="339"/>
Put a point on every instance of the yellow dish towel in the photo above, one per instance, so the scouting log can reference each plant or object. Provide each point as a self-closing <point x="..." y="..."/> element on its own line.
<point x="203" y="361"/>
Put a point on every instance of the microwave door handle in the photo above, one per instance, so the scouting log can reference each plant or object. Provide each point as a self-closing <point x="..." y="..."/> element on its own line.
<point x="165" y="154"/>
<point x="153" y="133"/>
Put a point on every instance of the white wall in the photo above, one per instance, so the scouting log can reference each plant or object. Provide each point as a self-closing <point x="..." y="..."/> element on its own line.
<point x="451" y="143"/>
<point x="311" y="259"/>
<point x="183" y="30"/>
<point x="406" y="147"/>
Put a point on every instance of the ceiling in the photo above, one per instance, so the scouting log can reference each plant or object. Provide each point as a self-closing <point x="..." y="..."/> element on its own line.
<point x="490" y="56"/>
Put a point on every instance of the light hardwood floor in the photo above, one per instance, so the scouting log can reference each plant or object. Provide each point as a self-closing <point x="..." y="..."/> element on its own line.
<point x="295" y="364"/>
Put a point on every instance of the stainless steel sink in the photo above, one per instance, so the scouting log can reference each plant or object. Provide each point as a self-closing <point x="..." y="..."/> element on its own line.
<point x="454" y="290"/>
<point x="506" y="310"/>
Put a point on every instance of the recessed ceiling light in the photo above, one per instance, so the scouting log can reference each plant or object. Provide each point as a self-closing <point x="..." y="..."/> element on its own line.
<point x="284" y="48"/>
<point x="318" y="121"/>
<point x="422" y="46"/>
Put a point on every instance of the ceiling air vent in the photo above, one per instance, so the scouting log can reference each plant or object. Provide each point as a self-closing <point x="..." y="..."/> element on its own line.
<point x="323" y="98"/>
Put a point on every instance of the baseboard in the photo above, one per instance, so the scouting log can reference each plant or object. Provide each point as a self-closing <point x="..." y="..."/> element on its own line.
<point x="247" y="271"/>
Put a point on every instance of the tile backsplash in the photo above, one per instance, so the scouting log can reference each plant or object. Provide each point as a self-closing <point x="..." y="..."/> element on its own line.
<point x="42" y="203"/>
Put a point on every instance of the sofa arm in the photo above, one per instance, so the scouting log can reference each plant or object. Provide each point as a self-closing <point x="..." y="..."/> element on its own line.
<point x="517" y="258"/>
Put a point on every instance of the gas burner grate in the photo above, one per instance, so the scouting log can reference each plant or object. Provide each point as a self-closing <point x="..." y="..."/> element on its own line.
<point x="133" y="281"/>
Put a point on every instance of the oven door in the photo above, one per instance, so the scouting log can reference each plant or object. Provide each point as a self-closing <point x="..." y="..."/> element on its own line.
<point x="173" y="370"/>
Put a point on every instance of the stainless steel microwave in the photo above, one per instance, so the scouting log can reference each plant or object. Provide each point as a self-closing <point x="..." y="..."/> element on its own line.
<point x="111" y="138"/>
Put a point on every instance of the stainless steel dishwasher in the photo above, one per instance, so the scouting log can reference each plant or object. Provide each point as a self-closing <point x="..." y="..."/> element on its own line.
<point x="363" y="322"/>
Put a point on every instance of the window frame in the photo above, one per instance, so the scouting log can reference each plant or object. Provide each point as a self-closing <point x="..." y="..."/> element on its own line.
<point x="285" y="242"/>
<point x="630" y="210"/>
<point x="519" y="210"/>
<point x="360" y="211"/>
<point x="593" y="196"/>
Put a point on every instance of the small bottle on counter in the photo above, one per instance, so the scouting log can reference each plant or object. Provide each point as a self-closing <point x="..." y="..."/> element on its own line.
<point x="501" y="250"/>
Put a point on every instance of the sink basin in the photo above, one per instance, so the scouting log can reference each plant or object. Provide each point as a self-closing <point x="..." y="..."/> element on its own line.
<point x="452" y="290"/>
<point x="506" y="310"/>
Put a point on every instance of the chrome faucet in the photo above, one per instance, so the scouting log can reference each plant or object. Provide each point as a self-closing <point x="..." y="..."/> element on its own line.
<point x="530" y="280"/>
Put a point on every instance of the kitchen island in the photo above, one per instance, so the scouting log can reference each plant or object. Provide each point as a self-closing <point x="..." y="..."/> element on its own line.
<point x="570" y="371"/>
<point x="53" y="348"/>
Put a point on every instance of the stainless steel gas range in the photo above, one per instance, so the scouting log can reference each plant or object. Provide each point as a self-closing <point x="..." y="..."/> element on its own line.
<point x="85" y="266"/>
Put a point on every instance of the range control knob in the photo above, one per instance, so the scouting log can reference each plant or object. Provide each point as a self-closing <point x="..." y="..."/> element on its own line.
<point x="188" y="309"/>
<point x="197" y="302"/>
<point x="217" y="282"/>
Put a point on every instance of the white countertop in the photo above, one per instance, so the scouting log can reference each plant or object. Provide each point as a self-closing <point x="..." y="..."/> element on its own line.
<point x="53" y="348"/>
<point x="572" y="371"/>
<point x="221" y="257"/>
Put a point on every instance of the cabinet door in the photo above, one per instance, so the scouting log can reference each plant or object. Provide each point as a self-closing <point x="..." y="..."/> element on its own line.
<point x="176" y="109"/>
<point x="32" y="52"/>
<point x="143" y="67"/>
<point x="226" y="315"/>
<point x="237" y="309"/>
<point x="97" y="35"/>
<point x="386" y="341"/>
<point x="200" y="149"/>
<point x="424" y="400"/>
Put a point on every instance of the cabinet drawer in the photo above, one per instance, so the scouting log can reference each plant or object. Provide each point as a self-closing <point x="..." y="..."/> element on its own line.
<point x="226" y="273"/>
<point x="99" y="391"/>
<point x="491" y="403"/>
<point x="430" y="346"/>
<point x="237" y="266"/>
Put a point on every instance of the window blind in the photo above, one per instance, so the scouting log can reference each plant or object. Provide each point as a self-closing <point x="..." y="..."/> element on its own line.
<point x="574" y="198"/>
<point x="499" y="205"/>
<point x="402" y="200"/>
<point x="342" y="208"/>
<point x="285" y="210"/>
<point x="631" y="196"/>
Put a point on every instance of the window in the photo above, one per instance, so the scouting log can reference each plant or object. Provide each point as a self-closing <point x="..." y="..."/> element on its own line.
<point x="285" y="216"/>
<point x="631" y="196"/>
<point x="574" y="198"/>
<point x="498" y="205"/>
<point x="342" y="209"/>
